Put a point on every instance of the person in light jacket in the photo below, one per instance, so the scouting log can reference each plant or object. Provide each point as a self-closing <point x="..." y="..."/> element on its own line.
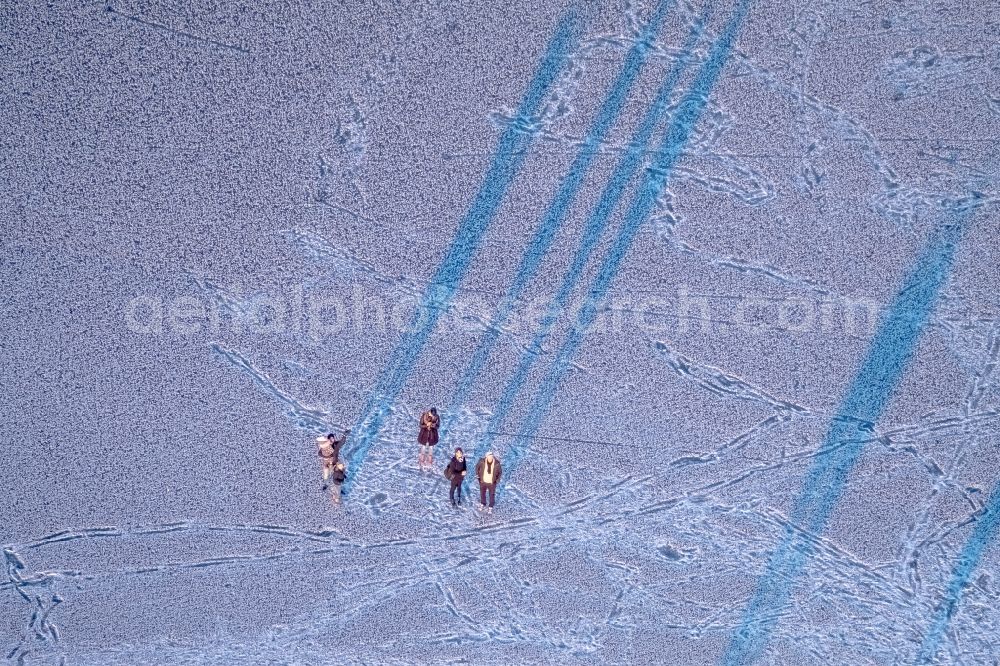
<point x="488" y="472"/>
<point x="329" y="453"/>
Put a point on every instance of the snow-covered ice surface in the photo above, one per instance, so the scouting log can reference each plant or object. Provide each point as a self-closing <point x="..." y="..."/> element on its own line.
<point x="220" y="217"/>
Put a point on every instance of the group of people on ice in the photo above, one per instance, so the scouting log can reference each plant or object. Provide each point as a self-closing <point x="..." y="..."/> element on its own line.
<point x="488" y="469"/>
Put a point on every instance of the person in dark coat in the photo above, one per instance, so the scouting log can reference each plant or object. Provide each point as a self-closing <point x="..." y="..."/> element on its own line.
<point x="455" y="471"/>
<point x="428" y="437"/>
<point x="338" y="476"/>
<point x="488" y="472"/>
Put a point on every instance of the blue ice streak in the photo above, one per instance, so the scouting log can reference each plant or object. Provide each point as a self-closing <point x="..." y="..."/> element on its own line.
<point x="594" y="228"/>
<point x="539" y="245"/>
<point x="510" y="154"/>
<point x="677" y="134"/>
<point x="986" y="528"/>
<point x="888" y="355"/>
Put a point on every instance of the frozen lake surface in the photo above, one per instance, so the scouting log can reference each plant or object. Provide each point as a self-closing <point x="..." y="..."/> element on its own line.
<point x="717" y="283"/>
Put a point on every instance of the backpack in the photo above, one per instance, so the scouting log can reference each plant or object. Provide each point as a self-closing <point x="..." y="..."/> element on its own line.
<point x="448" y="471"/>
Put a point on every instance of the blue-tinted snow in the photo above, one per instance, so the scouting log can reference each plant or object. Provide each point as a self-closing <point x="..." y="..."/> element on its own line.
<point x="219" y="216"/>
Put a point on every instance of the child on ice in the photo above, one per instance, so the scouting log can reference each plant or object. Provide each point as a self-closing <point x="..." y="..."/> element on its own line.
<point x="338" y="477"/>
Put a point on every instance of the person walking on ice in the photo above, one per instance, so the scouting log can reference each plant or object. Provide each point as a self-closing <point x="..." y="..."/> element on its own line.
<point x="488" y="472"/>
<point x="455" y="472"/>
<point x="329" y="453"/>
<point x="428" y="437"/>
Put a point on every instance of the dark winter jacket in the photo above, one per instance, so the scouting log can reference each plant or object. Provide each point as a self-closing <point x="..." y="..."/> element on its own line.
<point x="429" y="424"/>
<point x="481" y="467"/>
<point x="456" y="467"/>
